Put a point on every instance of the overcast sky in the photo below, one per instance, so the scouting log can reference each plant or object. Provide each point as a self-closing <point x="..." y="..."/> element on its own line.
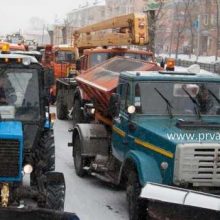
<point x="17" y="14"/>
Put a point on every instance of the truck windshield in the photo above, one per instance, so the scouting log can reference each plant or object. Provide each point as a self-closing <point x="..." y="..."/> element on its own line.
<point x="97" y="58"/>
<point x="185" y="98"/>
<point x="19" y="96"/>
<point x="65" y="56"/>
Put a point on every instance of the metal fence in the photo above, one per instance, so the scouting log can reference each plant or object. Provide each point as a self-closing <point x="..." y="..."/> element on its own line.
<point x="212" y="67"/>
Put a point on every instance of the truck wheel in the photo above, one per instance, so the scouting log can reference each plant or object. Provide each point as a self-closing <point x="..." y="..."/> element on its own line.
<point x="44" y="156"/>
<point x="77" y="157"/>
<point x="55" y="192"/>
<point x="77" y="112"/>
<point x="137" y="209"/>
<point x="61" y="108"/>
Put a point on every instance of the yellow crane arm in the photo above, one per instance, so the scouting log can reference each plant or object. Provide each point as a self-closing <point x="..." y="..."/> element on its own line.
<point x="129" y="29"/>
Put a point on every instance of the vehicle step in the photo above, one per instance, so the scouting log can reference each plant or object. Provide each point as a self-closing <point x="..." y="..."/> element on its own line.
<point x="86" y="168"/>
<point x="103" y="178"/>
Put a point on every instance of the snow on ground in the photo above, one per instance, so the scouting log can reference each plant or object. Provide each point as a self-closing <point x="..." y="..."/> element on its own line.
<point x="88" y="197"/>
<point x="201" y="59"/>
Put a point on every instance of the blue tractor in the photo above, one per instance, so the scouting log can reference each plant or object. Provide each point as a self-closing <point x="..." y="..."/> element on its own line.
<point x="26" y="135"/>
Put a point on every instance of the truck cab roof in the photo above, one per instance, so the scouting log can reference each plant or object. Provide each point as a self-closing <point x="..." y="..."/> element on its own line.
<point x="182" y="75"/>
<point x="18" y="56"/>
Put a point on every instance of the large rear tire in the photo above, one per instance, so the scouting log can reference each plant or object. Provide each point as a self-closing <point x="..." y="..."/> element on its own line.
<point x="77" y="112"/>
<point x="137" y="209"/>
<point x="78" y="160"/>
<point x="61" y="108"/>
<point x="44" y="156"/>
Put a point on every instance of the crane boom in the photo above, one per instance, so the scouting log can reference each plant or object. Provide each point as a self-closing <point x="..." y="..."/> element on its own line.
<point x="129" y="29"/>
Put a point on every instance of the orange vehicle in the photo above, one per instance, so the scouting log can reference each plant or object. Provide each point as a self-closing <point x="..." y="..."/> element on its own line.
<point x="13" y="47"/>
<point x="61" y="59"/>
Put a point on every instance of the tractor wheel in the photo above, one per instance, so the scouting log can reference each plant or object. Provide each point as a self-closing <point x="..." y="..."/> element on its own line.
<point x="61" y="108"/>
<point x="78" y="160"/>
<point x="77" y="113"/>
<point x="44" y="156"/>
<point x="55" y="192"/>
<point x="137" y="209"/>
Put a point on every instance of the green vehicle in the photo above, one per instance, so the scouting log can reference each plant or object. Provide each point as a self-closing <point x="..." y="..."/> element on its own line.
<point x="159" y="129"/>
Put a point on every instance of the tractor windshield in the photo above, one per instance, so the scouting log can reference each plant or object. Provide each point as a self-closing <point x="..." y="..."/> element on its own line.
<point x="176" y="98"/>
<point x="19" y="96"/>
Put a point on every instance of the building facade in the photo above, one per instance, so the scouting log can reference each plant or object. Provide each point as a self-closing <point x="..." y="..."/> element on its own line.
<point x="189" y="27"/>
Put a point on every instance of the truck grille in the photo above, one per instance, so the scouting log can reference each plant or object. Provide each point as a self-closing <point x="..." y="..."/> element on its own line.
<point x="9" y="158"/>
<point x="198" y="164"/>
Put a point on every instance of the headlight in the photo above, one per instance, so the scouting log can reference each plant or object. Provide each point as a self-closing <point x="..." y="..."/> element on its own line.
<point x="164" y="165"/>
<point x="26" y="61"/>
<point x="28" y="169"/>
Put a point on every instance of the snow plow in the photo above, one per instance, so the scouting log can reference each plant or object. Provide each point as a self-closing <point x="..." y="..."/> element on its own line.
<point x="168" y="202"/>
<point x="139" y="133"/>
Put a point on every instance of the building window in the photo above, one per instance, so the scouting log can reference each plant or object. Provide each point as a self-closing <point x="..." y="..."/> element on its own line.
<point x="206" y="19"/>
<point x="219" y="45"/>
<point x="213" y="20"/>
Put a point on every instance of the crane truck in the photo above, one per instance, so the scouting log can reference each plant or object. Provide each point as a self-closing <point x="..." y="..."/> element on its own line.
<point x="96" y="46"/>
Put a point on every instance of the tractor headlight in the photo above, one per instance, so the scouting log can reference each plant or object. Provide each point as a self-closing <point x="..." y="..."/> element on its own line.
<point x="28" y="169"/>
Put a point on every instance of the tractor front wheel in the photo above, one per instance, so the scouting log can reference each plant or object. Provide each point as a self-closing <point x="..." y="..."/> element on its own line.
<point x="54" y="192"/>
<point x="43" y="156"/>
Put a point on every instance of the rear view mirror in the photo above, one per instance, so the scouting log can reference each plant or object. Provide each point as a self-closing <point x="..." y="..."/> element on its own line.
<point x="114" y="105"/>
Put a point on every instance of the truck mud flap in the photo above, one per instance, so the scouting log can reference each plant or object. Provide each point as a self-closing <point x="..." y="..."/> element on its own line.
<point x="35" y="214"/>
<point x="166" y="202"/>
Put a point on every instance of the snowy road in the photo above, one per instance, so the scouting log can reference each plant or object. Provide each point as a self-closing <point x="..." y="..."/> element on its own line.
<point x="88" y="197"/>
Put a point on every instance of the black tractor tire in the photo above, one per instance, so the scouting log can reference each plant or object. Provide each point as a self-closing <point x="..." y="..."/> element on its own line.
<point x="77" y="113"/>
<point x="61" y="108"/>
<point x="137" y="209"/>
<point x="44" y="156"/>
<point x="55" y="191"/>
<point x="78" y="160"/>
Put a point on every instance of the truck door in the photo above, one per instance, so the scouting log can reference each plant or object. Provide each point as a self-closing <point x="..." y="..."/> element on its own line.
<point x="120" y="127"/>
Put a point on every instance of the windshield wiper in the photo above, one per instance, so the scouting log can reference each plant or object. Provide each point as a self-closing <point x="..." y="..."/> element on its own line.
<point x="196" y="104"/>
<point x="213" y="95"/>
<point x="169" y="106"/>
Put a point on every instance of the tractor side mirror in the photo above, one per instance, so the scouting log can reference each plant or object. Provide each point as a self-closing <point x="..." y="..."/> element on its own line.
<point x="78" y="64"/>
<point x="114" y="105"/>
<point x="49" y="78"/>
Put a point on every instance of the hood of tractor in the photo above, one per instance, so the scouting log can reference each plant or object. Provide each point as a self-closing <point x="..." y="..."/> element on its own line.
<point x="11" y="151"/>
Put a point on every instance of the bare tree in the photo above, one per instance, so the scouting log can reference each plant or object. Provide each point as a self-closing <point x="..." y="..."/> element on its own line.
<point x="192" y="15"/>
<point x="180" y="15"/>
<point x="217" y="28"/>
<point x="153" y="18"/>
